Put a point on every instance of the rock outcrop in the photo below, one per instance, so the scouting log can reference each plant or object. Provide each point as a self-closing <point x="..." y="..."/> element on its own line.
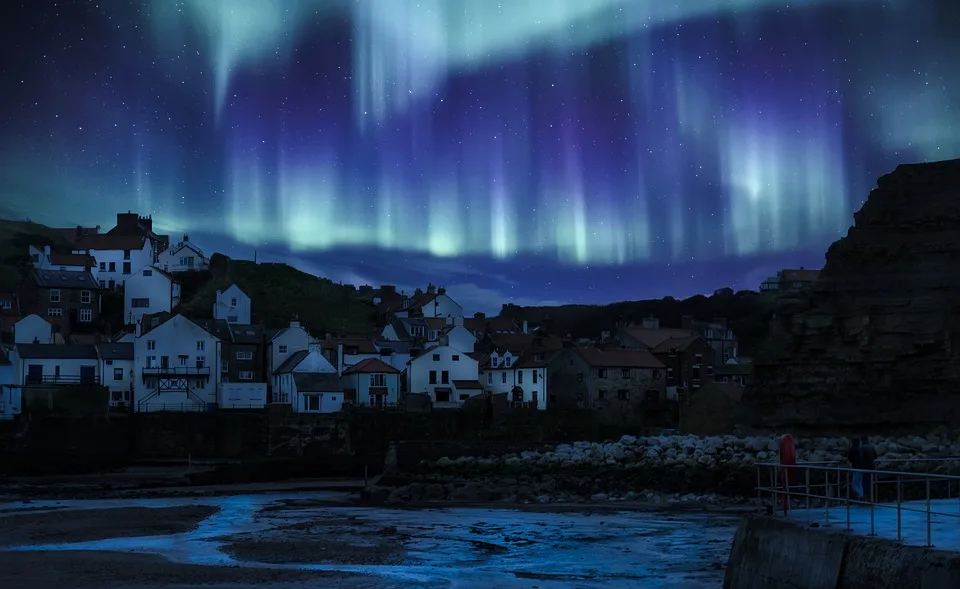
<point x="876" y="342"/>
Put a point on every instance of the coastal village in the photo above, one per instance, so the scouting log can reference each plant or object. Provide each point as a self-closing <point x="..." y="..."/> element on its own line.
<point x="427" y="353"/>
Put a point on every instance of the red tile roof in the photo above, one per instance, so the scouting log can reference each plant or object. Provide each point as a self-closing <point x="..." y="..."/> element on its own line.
<point x="617" y="358"/>
<point x="470" y="385"/>
<point x="420" y="301"/>
<point x="519" y="342"/>
<point x="58" y="259"/>
<point x="364" y="345"/>
<point x="110" y="242"/>
<point x="69" y="234"/>
<point x="371" y="365"/>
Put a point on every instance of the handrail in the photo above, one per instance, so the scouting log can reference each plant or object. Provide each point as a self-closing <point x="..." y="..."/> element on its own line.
<point x="826" y="492"/>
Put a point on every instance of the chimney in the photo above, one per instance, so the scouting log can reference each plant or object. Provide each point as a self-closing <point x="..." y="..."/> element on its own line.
<point x="328" y="336"/>
<point x="46" y="250"/>
<point x="339" y="359"/>
<point x="449" y="320"/>
<point x="186" y="238"/>
<point x="294" y="323"/>
<point x="458" y="320"/>
<point x="480" y="316"/>
<point x="441" y="291"/>
<point x="431" y="288"/>
<point x="139" y="329"/>
<point x="526" y="326"/>
<point x="387" y="288"/>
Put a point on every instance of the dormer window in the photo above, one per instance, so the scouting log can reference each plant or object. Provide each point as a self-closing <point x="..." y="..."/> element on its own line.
<point x="507" y="361"/>
<point x="148" y="272"/>
<point x="54" y="295"/>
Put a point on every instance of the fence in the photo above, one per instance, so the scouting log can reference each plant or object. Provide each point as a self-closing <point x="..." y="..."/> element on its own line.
<point x="826" y="486"/>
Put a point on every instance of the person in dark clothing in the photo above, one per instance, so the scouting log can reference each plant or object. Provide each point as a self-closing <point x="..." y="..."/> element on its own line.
<point x="868" y="461"/>
<point x="855" y="458"/>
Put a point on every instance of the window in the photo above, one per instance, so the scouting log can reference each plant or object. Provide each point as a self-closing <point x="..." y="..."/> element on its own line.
<point x="54" y="295"/>
<point x="519" y="377"/>
<point x="103" y="266"/>
<point x="126" y="254"/>
<point x="697" y="360"/>
<point x="103" y="284"/>
<point x="656" y="374"/>
<point x="378" y="380"/>
<point x="35" y="258"/>
<point x="113" y="266"/>
<point x="200" y="345"/>
<point x="311" y="403"/>
<point x="151" y="344"/>
<point x="436" y="357"/>
<point x="118" y="374"/>
<point x="246" y="375"/>
<point x="200" y="361"/>
<point x="623" y="395"/>
<point x="140" y="303"/>
<point x="503" y="378"/>
<point x="456" y="357"/>
<point x="183" y="359"/>
<point x="282" y="349"/>
<point x="233" y="302"/>
<point x="54" y="312"/>
<point x="489" y="378"/>
<point x="85" y="297"/>
<point x="433" y="377"/>
<point x="86" y="315"/>
<point x="507" y="361"/>
<point x="231" y="318"/>
<point x="200" y="384"/>
<point x="111" y="284"/>
<point x="148" y="272"/>
<point x="601" y="395"/>
<point x="224" y="366"/>
<point x="126" y="267"/>
<point x="602" y="373"/>
<point x="625" y="373"/>
<point x="5" y="304"/>
<point x="164" y="361"/>
<point x="244" y="355"/>
<point x="534" y="376"/>
<point x="445" y="377"/>
<point x="710" y="370"/>
<point x="579" y="377"/>
<point x="652" y="396"/>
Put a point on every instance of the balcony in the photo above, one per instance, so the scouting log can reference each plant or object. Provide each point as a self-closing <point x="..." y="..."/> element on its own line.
<point x="175" y="371"/>
<point x="37" y="380"/>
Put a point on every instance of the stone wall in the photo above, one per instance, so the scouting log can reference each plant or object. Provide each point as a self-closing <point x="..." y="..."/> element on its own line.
<point x="875" y="343"/>
<point x="770" y="552"/>
<point x="59" y="445"/>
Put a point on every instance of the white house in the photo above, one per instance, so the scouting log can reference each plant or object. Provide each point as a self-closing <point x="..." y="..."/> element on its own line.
<point x="183" y="257"/>
<point x="423" y="329"/>
<point x="178" y="363"/>
<point x="522" y="377"/>
<point x="284" y="343"/>
<point x="117" y="256"/>
<point x="458" y="336"/>
<point x="149" y="290"/>
<point x="232" y="305"/>
<point x="433" y="303"/>
<point x="308" y="382"/>
<point x="34" y="329"/>
<point x="44" y="259"/>
<point x="117" y="368"/>
<point x="373" y="382"/>
<point x="53" y="364"/>
<point x="10" y="397"/>
<point x="437" y="372"/>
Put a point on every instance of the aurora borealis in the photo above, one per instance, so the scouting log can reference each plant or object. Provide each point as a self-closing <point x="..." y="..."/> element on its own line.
<point x="539" y="149"/>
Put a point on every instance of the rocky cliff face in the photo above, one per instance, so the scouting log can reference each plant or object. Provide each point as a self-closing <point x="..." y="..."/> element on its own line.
<point x="875" y="344"/>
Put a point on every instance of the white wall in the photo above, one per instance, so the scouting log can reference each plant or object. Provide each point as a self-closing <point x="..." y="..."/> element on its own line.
<point x="161" y="294"/>
<point x="33" y="327"/>
<point x="389" y="333"/>
<point x="243" y="395"/>
<point x="10" y="401"/>
<point x="444" y="307"/>
<point x="43" y="262"/>
<point x="138" y="259"/>
<point x="460" y="338"/>
<point x="418" y="372"/>
<point x="177" y="336"/>
<point x="290" y="340"/>
<point x="232" y="305"/>
<point x="120" y="390"/>
<point x="315" y="362"/>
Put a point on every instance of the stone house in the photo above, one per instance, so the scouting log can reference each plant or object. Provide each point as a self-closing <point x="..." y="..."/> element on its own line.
<point x="68" y="300"/>
<point x="617" y="383"/>
<point x="689" y="363"/>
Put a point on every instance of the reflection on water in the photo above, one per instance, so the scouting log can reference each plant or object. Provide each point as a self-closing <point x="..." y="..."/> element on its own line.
<point x="459" y="547"/>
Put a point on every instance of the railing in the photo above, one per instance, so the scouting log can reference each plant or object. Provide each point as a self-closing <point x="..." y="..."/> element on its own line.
<point x="62" y="380"/>
<point x="179" y="407"/>
<point x="175" y="371"/>
<point x="821" y="489"/>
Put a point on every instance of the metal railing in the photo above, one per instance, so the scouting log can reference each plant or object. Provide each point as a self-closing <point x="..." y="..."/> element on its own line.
<point x="179" y="407"/>
<point x="174" y="371"/>
<point x="33" y="380"/>
<point x="826" y="486"/>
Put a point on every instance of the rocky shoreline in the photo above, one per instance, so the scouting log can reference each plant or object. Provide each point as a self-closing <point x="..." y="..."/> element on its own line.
<point x="663" y="469"/>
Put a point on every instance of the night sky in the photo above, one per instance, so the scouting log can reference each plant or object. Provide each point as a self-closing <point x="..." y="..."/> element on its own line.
<point x="527" y="151"/>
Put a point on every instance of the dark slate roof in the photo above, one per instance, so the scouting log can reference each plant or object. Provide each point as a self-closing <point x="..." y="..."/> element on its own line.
<point x="247" y="334"/>
<point x="290" y="363"/>
<point x="317" y="382"/>
<point x="371" y="365"/>
<point x="219" y="328"/>
<point x="115" y="351"/>
<point x="65" y="279"/>
<point x="57" y="352"/>
<point x="398" y="347"/>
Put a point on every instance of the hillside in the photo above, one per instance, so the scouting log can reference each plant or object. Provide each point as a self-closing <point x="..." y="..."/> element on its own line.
<point x="15" y="239"/>
<point x="748" y="314"/>
<point x="279" y="293"/>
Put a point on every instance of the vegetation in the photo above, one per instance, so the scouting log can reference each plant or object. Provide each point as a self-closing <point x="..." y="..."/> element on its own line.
<point x="280" y="293"/>
<point x="747" y="313"/>
<point x="16" y="237"/>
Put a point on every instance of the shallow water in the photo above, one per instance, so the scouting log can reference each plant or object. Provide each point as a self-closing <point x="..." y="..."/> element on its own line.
<point x="455" y="547"/>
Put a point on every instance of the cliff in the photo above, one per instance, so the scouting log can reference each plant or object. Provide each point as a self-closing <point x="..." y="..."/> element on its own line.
<point x="875" y="344"/>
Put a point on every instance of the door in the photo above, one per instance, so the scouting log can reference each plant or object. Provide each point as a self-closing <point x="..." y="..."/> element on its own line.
<point x="88" y="375"/>
<point x="34" y="374"/>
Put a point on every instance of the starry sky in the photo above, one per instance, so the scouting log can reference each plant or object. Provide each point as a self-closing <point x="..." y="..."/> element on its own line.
<point x="533" y="151"/>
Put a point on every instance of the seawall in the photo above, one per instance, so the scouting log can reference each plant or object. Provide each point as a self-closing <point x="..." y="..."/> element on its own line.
<point x="773" y="552"/>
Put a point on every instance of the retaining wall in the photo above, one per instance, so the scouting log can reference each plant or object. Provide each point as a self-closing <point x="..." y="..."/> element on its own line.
<point x="771" y="552"/>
